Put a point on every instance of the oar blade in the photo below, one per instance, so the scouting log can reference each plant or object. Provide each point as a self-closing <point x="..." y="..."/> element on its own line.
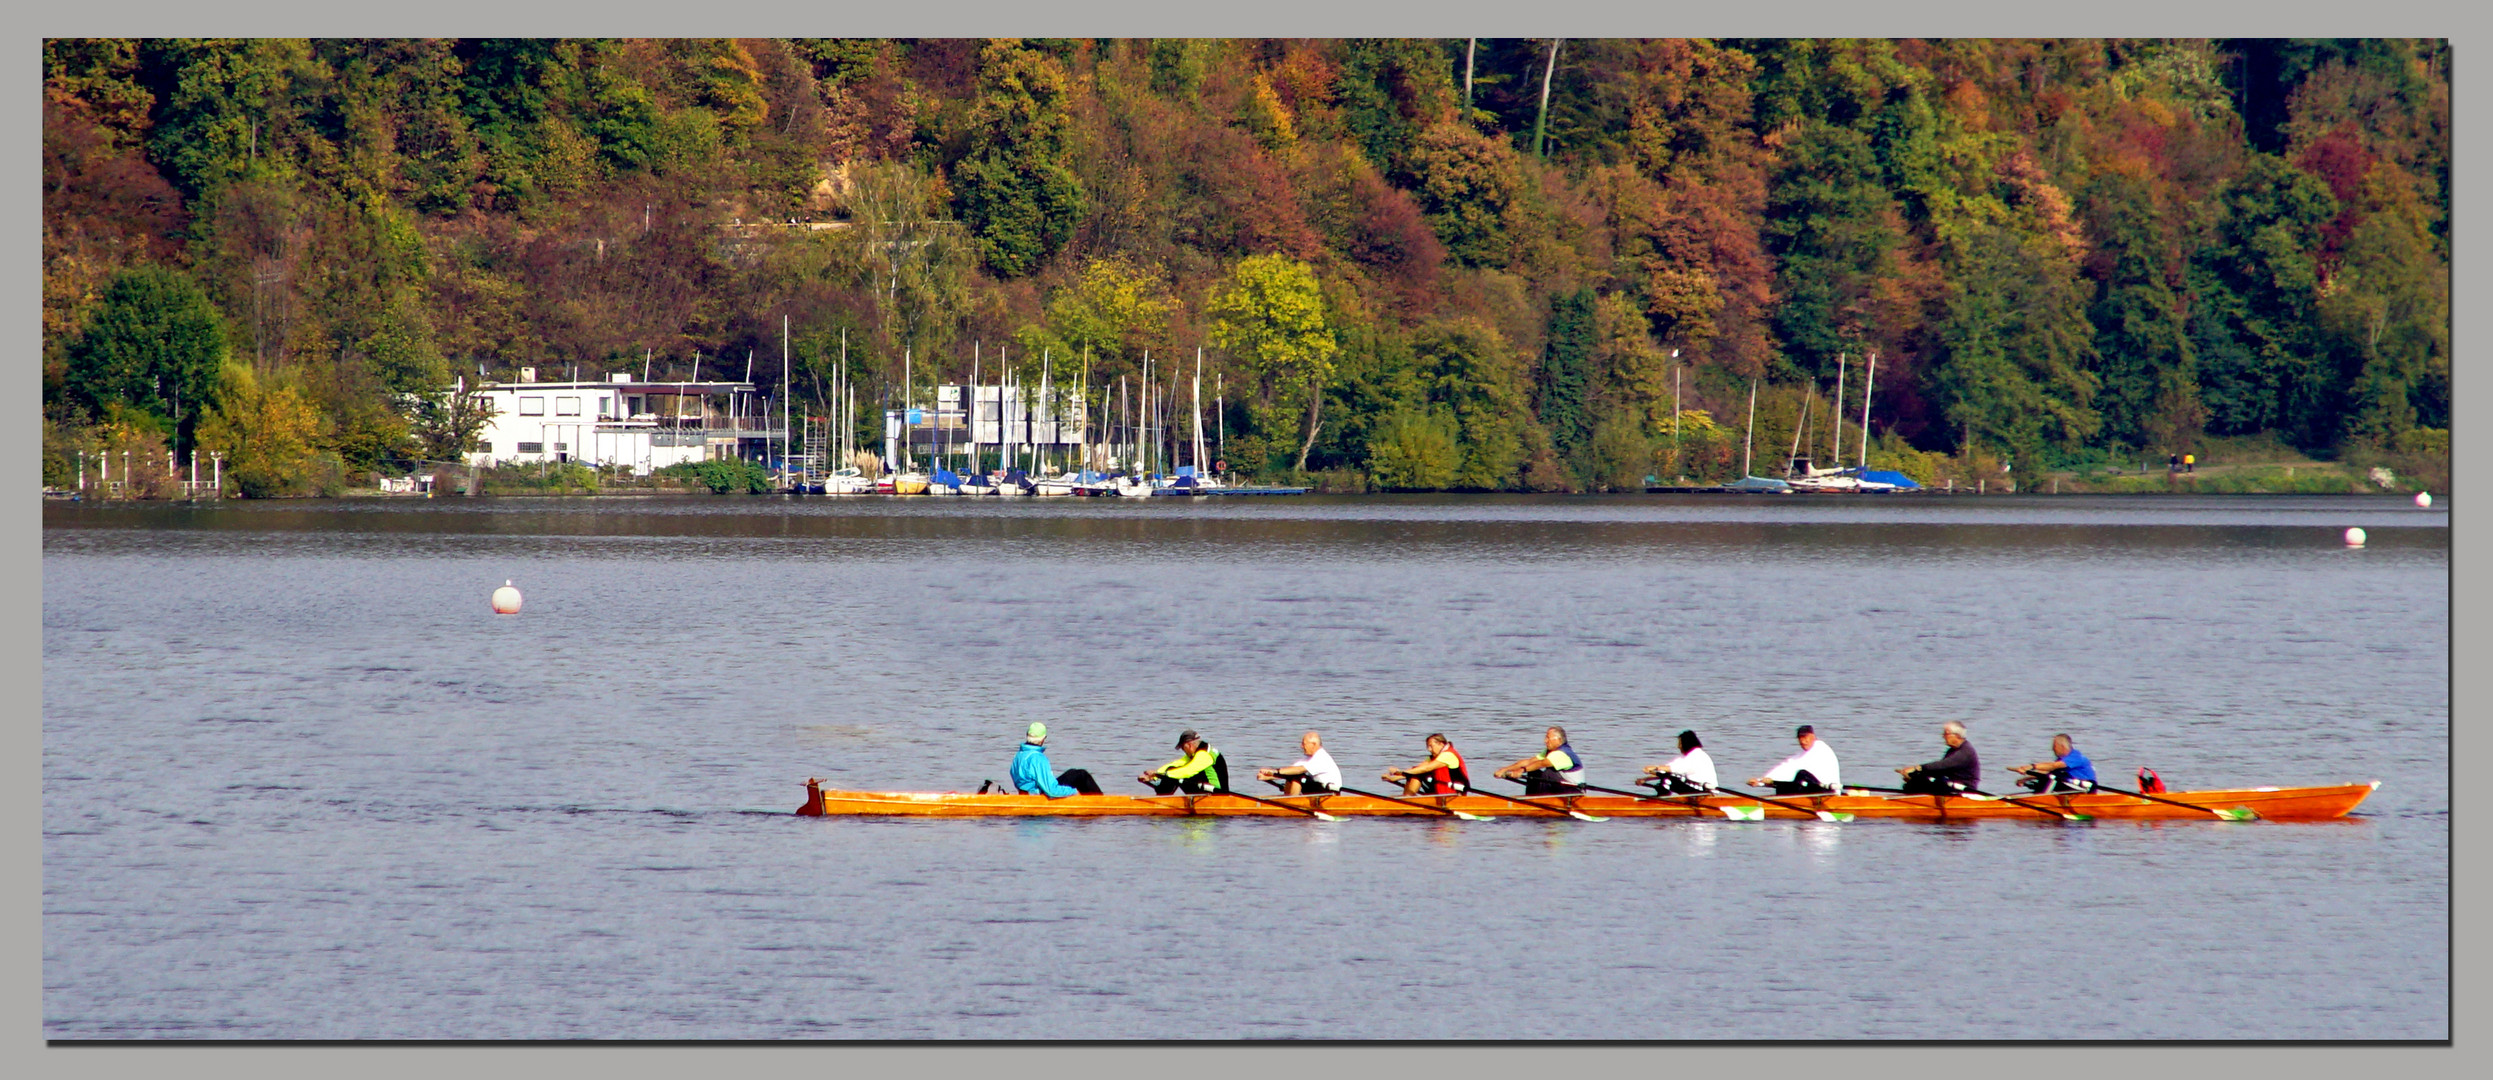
<point x="1582" y="816"/>
<point x="1468" y="816"/>
<point x="1834" y="815"/>
<point x="2238" y="813"/>
<point x="1743" y="813"/>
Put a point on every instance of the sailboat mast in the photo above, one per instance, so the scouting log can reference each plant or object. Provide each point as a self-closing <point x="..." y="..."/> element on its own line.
<point x="975" y="359"/>
<point x="1748" y="449"/>
<point x="1837" y="455"/>
<point x="1197" y="411"/>
<point x="1797" y="428"/>
<point x="1868" y="384"/>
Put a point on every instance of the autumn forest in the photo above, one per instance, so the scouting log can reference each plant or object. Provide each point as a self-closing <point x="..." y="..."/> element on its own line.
<point x="1488" y="265"/>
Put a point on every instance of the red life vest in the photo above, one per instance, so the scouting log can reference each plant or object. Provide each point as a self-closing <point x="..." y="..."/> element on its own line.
<point x="2149" y="781"/>
<point x="1443" y="781"/>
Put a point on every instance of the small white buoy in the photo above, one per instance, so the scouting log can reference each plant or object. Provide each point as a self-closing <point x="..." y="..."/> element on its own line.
<point x="506" y="598"/>
<point x="2354" y="537"/>
<point x="2424" y="499"/>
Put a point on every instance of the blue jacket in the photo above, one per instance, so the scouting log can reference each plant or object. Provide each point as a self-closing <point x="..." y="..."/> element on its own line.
<point x="1032" y="775"/>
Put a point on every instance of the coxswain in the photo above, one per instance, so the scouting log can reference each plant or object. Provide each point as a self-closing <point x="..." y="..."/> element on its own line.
<point x="1441" y="774"/>
<point x="1690" y="773"/>
<point x="1554" y="771"/>
<point x="1954" y="772"/>
<point x="1813" y="771"/>
<point x="1032" y="775"/>
<point x="1198" y="769"/>
<point x="1313" y="773"/>
<point x="2067" y="771"/>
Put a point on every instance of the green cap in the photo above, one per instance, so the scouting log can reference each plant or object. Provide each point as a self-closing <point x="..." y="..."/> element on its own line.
<point x="1037" y="732"/>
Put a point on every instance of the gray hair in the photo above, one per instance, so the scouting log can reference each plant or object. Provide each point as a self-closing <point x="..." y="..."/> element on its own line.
<point x="1952" y="728"/>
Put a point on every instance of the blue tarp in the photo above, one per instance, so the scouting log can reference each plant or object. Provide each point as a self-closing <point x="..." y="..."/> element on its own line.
<point x="1881" y="476"/>
<point x="948" y="478"/>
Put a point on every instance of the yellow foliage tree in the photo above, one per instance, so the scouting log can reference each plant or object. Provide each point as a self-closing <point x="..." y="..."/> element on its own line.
<point x="266" y="434"/>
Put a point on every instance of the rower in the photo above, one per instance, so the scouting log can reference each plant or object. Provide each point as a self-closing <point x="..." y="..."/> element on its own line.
<point x="1198" y="769"/>
<point x="1692" y="772"/>
<point x="1032" y="775"/>
<point x="1555" y="771"/>
<point x="1441" y="774"/>
<point x="2067" y="771"/>
<point x="1955" y="771"/>
<point x="1313" y="773"/>
<point x="1813" y="771"/>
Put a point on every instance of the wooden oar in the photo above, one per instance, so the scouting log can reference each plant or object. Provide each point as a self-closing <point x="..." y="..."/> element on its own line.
<point x="2061" y="814"/>
<point x="1446" y="810"/>
<point x="1822" y="815"/>
<point x="1309" y="811"/>
<point x="1653" y="796"/>
<point x="1576" y="814"/>
<point x="2238" y="813"/>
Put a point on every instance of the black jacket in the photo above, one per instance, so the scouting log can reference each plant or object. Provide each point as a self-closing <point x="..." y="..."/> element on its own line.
<point x="1959" y="765"/>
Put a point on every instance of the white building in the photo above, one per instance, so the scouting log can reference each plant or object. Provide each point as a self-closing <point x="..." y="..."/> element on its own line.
<point x="623" y="421"/>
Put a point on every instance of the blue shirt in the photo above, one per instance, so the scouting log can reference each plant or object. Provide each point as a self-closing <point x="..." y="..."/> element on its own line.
<point x="1032" y="775"/>
<point x="2078" y="767"/>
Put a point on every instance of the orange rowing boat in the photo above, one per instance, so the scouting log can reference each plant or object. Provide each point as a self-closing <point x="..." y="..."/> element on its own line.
<point x="2261" y="803"/>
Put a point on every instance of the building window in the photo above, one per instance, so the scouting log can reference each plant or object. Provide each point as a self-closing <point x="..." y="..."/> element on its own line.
<point x="532" y="406"/>
<point x="484" y="448"/>
<point x="532" y="448"/>
<point x="562" y="448"/>
<point x="566" y="406"/>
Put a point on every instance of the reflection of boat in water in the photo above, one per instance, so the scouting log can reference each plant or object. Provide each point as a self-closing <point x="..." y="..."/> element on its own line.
<point x="2236" y="804"/>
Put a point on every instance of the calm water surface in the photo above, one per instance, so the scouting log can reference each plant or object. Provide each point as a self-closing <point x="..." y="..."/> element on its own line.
<point x="298" y="782"/>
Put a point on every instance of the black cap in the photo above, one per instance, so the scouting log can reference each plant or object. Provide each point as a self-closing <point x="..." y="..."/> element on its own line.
<point x="1185" y="737"/>
<point x="1804" y="730"/>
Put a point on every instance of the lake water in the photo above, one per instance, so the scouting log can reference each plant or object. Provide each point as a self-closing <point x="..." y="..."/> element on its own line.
<point x="298" y="782"/>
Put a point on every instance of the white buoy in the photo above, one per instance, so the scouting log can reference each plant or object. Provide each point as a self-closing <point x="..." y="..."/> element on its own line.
<point x="2423" y="499"/>
<point x="506" y="598"/>
<point x="2354" y="537"/>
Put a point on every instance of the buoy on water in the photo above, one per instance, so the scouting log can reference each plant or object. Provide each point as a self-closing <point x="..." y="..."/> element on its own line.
<point x="2354" y="537"/>
<point x="506" y="598"/>
<point x="2424" y="499"/>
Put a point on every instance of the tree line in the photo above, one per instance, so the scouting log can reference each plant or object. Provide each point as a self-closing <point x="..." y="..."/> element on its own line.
<point x="1430" y="264"/>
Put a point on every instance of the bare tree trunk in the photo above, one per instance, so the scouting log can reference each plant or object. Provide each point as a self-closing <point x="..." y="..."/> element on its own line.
<point x="1469" y="45"/>
<point x="1315" y="403"/>
<point x="1540" y="119"/>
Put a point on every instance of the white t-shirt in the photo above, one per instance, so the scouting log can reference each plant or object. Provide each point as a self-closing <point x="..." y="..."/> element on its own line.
<point x="1320" y="767"/>
<point x="1819" y="760"/>
<point x="1695" y="765"/>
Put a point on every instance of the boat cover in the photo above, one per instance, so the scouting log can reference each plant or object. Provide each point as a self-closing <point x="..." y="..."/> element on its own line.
<point x="947" y="478"/>
<point x="1882" y="476"/>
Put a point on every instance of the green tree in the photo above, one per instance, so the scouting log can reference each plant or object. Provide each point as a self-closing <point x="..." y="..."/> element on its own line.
<point x="1270" y="313"/>
<point x="155" y="343"/>
<point x="1414" y="450"/>
<point x="1566" y="368"/>
<point x="1471" y="370"/>
<point x="1016" y="193"/>
<point x="1826" y="225"/>
<point x="268" y="435"/>
<point x="2260" y="365"/>
<point x="2019" y="349"/>
<point x="2149" y="372"/>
